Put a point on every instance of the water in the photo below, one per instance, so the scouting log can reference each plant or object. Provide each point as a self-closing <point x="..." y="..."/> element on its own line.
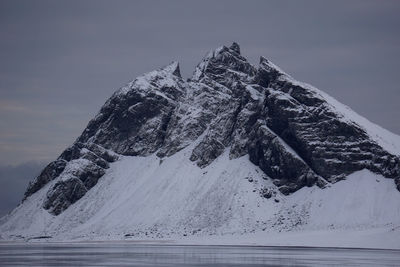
<point x="136" y="254"/>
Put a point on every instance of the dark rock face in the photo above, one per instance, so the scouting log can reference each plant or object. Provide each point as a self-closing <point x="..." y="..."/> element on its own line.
<point x="83" y="162"/>
<point x="287" y="128"/>
<point x="78" y="177"/>
<point x="50" y="172"/>
<point x="331" y="146"/>
<point x="269" y="152"/>
<point x="63" y="194"/>
<point x="134" y="120"/>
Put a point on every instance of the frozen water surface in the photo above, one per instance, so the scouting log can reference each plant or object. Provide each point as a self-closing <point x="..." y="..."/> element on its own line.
<point x="134" y="254"/>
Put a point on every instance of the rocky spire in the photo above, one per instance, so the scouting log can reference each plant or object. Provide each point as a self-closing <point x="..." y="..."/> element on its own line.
<point x="235" y="47"/>
<point x="217" y="62"/>
<point x="173" y="68"/>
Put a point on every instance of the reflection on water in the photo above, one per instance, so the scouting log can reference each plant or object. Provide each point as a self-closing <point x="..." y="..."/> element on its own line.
<point x="134" y="254"/>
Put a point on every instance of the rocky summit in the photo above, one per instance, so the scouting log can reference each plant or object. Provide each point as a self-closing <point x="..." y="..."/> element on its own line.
<point x="293" y="132"/>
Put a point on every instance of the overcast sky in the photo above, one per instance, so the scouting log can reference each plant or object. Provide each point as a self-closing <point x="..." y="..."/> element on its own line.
<point x="61" y="60"/>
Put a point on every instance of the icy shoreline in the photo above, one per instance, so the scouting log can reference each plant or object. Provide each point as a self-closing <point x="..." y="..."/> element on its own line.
<point x="378" y="238"/>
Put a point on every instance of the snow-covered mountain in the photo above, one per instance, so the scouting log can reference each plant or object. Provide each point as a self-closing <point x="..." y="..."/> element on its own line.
<point x="236" y="149"/>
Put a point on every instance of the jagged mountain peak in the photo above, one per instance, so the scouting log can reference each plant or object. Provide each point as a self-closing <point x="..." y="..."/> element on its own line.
<point x="292" y="135"/>
<point x="235" y="47"/>
<point x="172" y="68"/>
<point x="221" y="60"/>
<point x="162" y="77"/>
<point x="165" y="82"/>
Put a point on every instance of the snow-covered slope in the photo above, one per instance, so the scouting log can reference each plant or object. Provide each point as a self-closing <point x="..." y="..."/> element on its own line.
<point x="237" y="151"/>
<point x="144" y="198"/>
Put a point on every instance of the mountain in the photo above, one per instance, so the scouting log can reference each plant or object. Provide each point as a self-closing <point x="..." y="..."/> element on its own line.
<point x="235" y="149"/>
